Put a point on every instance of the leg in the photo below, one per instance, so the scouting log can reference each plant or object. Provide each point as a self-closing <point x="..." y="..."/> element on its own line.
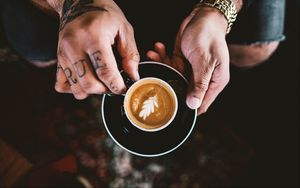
<point x="256" y="33"/>
<point x="31" y="32"/>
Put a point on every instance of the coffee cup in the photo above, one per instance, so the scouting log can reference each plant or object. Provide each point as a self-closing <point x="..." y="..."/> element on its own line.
<point x="150" y="104"/>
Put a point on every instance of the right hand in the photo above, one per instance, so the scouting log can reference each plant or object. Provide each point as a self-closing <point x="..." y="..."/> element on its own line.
<point x="86" y="63"/>
<point x="201" y="42"/>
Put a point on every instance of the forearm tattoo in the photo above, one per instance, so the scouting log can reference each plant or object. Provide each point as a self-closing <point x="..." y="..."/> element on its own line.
<point x="74" y="8"/>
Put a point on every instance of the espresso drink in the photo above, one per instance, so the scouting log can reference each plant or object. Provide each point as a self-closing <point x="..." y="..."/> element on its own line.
<point x="150" y="104"/>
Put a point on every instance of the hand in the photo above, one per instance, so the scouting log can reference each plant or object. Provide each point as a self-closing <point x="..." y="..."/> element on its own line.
<point x="86" y="62"/>
<point x="200" y="41"/>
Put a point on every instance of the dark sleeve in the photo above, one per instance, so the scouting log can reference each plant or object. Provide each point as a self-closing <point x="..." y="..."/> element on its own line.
<point x="246" y="3"/>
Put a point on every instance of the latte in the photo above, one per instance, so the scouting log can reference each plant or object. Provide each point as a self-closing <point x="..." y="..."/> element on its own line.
<point x="150" y="104"/>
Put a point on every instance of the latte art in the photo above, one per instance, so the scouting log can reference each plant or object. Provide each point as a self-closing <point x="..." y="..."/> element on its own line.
<point x="151" y="104"/>
<point x="148" y="107"/>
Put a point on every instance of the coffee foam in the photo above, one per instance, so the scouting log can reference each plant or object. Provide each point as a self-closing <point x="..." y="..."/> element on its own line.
<point x="151" y="105"/>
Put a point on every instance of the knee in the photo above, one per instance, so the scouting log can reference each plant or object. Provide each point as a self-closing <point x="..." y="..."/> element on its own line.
<point x="247" y="56"/>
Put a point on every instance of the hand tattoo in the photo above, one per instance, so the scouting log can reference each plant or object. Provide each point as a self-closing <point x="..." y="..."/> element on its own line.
<point x="80" y="68"/>
<point x="113" y="87"/>
<point x="59" y="67"/>
<point x="74" y="8"/>
<point x="96" y="60"/>
<point x="68" y="74"/>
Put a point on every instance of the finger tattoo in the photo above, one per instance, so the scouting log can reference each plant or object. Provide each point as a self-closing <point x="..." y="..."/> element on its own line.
<point x="59" y="67"/>
<point x="80" y="68"/>
<point x="97" y="61"/>
<point x="113" y="87"/>
<point x="68" y="74"/>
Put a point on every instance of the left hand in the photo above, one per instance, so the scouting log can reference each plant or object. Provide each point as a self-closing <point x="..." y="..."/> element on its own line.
<point x="200" y="41"/>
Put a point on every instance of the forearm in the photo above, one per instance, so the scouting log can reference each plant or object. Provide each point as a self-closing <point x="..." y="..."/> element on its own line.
<point x="44" y="6"/>
<point x="57" y="5"/>
<point x="238" y="4"/>
<point x="62" y="6"/>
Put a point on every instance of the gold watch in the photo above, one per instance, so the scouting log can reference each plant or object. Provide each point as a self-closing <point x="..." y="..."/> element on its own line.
<point x="227" y="7"/>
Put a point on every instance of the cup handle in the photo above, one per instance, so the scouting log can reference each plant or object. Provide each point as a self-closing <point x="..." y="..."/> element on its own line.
<point x="128" y="82"/>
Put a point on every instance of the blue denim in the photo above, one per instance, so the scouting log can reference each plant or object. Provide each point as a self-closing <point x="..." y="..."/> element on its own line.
<point x="261" y="22"/>
<point x="29" y="31"/>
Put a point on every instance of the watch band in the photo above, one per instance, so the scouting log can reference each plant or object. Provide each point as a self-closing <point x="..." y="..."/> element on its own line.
<point x="227" y="7"/>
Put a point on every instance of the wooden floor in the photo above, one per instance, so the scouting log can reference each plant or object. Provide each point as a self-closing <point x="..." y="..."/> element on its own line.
<point x="12" y="165"/>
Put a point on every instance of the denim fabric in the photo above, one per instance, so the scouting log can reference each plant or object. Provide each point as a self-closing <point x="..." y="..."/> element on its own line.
<point x="29" y="31"/>
<point x="246" y="3"/>
<point x="261" y="22"/>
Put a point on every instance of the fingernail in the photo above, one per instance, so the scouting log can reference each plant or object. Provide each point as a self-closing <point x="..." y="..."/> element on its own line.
<point x="193" y="102"/>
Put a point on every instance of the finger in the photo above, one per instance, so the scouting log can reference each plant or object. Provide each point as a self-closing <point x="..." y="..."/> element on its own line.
<point x="106" y="69"/>
<point x="219" y="80"/>
<point x="61" y="85"/>
<point x="129" y="53"/>
<point x="179" y="64"/>
<point x="201" y="76"/>
<point x="161" y="49"/>
<point x="71" y="77"/>
<point x="154" y="56"/>
<point x="86" y="77"/>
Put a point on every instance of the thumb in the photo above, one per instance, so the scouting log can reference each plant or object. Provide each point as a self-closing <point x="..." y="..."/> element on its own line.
<point x="199" y="82"/>
<point x="129" y="53"/>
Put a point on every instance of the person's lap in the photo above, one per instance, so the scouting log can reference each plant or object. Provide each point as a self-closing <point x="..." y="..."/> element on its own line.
<point x="257" y="33"/>
<point x="33" y="34"/>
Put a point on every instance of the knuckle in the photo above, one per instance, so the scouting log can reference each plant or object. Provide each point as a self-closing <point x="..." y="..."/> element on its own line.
<point x="87" y="31"/>
<point x="87" y="21"/>
<point x="129" y="27"/>
<point x="67" y="33"/>
<point x="87" y="86"/>
<point x="134" y="56"/>
<point x="71" y="38"/>
<point x="103" y="90"/>
<point x="59" y="87"/>
<point x="205" y="70"/>
<point x="104" y="73"/>
<point x="79" y="95"/>
<point x="201" y="86"/>
<point x="66" y="42"/>
<point x="60" y="55"/>
<point x="226" y="79"/>
<point x="116" y="86"/>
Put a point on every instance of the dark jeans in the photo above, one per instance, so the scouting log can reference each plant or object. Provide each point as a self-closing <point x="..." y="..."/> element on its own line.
<point x="33" y="34"/>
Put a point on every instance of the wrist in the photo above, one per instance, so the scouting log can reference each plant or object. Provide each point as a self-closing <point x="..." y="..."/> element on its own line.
<point x="226" y="7"/>
<point x="62" y="6"/>
<point x="213" y="18"/>
<point x="56" y="5"/>
<point x="238" y="4"/>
